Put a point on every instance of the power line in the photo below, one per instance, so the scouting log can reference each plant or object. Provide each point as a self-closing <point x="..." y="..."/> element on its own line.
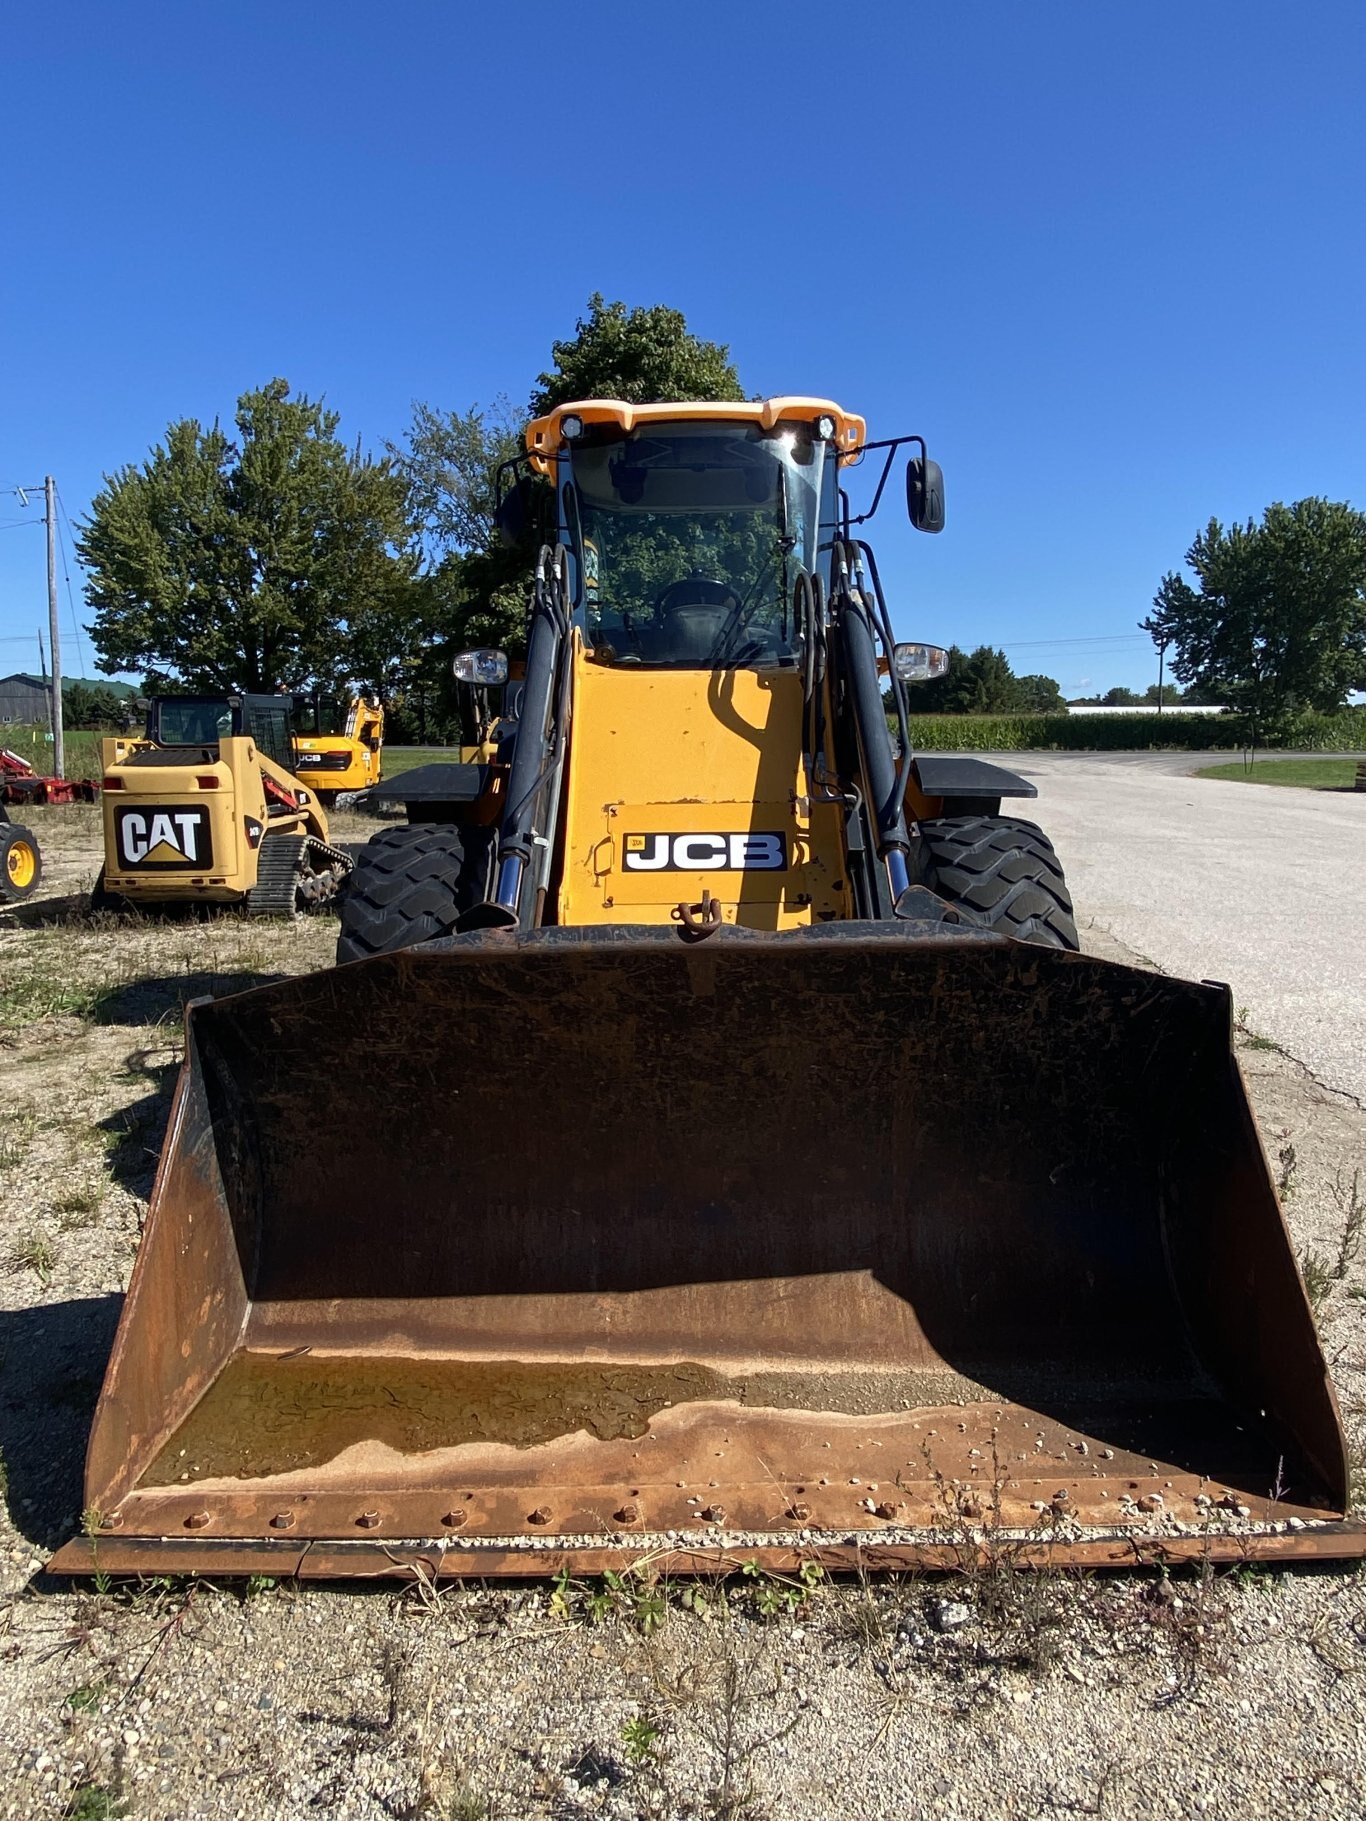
<point x="66" y="576"/>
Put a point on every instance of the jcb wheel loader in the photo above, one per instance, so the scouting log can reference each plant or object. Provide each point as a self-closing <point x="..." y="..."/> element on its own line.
<point x="330" y="762"/>
<point x="205" y="809"/>
<point x="765" y="1173"/>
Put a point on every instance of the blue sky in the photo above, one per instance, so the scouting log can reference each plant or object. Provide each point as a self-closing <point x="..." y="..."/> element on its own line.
<point x="1108" y="259"/>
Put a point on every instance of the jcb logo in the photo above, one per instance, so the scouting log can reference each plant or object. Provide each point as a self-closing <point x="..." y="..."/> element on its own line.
<point x="164" y="837"/>
<point x="763" y="853"/>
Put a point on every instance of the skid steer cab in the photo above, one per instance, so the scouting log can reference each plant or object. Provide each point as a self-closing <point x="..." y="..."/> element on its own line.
<point x="205" y="808"/>
<point x="330" y="761"/>
<point x="767" y="1176"/>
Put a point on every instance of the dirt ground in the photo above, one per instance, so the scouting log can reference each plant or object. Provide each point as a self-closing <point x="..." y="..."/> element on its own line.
<point x="998" y="1693"/>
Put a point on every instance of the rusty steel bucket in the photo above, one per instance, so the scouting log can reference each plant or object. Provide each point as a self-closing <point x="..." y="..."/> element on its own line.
<point x="863" y="1244"/>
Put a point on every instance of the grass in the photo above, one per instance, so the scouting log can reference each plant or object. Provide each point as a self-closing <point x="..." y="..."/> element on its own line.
<point x="1302" y="774"/>
<point x="406" y="758"/>
<point x="36" y="1253"/>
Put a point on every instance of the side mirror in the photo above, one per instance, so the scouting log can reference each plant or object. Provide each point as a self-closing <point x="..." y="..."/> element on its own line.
<point x="513" y="515"/>
<point x="925" y="493"/>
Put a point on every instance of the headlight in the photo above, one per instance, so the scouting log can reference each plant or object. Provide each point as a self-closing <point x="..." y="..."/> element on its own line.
<point x="483" y="666"/>
<point x="571" y="426"/>
<point x="825" y="426"/>
<point x="918" y="663"/>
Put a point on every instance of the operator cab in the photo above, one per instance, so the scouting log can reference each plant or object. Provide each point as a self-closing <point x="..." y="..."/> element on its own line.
<point x="202" y="721"/>
<point x="688" y="538"/>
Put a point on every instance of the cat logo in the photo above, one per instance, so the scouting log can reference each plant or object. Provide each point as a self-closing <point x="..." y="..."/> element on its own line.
<point x="164" y="837"/>
<point x="748" y="852"/>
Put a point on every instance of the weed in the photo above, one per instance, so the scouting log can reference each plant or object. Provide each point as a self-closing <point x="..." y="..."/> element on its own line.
<point x="1286" y="1177"/>
<point x="87" y="1697"/>
<point x="634" y="1595"/>
<point x="43" y="993"/>
<point x="780" y="1595"/>
<point x="34" y="1252"/>
<point x="728" y="1691"/>
<point x="640" y="1738"/>
<point x="16" y="1136"/>
<point x="465" y="1803"/>
<point x="1317" y="1271"/>
<point x="93" y="1802"/>
<point x="1253" y="1040"/>
<point x="1187" y="1621"/>
<point x="1352" y="1206"/>
<point x="77" y="1207"/>
<point x="257" y="1584"/>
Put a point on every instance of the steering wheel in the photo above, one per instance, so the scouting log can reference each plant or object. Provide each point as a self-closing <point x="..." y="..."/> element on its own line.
<point x="695" y="590"/>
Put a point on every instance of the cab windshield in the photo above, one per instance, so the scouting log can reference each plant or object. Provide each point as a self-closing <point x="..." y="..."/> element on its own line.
<point x="191" y="721"/>
<point x="690" y="537"/>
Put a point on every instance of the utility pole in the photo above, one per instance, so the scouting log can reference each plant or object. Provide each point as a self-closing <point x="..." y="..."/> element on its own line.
<point x="54" y="633"/>
<point x="1161" y="666"/>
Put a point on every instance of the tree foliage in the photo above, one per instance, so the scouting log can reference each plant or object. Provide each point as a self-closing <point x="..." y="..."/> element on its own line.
<point x="1277" y="621"/>
<point x="475" y="589"/>
<point x="982" y="682"/>
<point x="641" y="355"/>
<point x="280" y="559"/>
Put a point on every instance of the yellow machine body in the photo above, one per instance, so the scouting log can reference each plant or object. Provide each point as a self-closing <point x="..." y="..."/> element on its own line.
<point x="641" y="836"/>
<point x="745" y="1171"/>
<point x="349" y="760"/>
<point x="196" y="824"/>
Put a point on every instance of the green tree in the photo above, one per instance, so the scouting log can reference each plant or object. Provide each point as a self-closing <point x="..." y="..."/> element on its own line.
<point x="1122" y="698"/>
<point x="641" y="355"/>
<point x="1039" y="695"/>
<point x="984" y="685"/>
<point x="84" y="706"/>
<point x="280" y="559"/>
<point x="475" y="589"/>
<point x="1277" y="621"/>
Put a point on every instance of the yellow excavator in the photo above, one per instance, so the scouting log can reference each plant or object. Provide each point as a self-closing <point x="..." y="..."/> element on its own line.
<point x="205" y="808"/>
<point x="331" y="762"/>
<point x="766" y="1174"/>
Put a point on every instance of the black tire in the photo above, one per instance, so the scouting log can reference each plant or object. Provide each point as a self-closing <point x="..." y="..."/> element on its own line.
<point x="410" y="884"/>
<point x="21" y="863"/>
<point x="1001" y="874"/>
<point x="102" y="899"/>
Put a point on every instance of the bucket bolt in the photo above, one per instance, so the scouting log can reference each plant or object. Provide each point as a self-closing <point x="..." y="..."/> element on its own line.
<point x="283" y="1520"/>
<point x="541" y="1515"/>
<point x="368" y="1520"/>
<point x="628" y="1514"/>
<point x="454" y="1519"/>
<point x="197" y="1520"/>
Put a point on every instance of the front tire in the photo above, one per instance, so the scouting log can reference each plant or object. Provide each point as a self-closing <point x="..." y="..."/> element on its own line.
<point x="1001" y="874"/>
<point x="21" y="863"/>
<point x="410" y="884"/>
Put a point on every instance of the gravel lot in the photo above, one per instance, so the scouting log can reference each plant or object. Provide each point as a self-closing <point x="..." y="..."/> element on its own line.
<point x="1000" y="1694"/>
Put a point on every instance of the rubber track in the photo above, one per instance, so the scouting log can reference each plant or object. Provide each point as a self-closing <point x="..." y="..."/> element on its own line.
<point x="281" y="862"/>
<point x="1002" y="873"/>
<point x="410" y="885"/>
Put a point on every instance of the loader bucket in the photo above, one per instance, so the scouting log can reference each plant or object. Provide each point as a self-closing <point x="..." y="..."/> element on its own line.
<point x="865" y="1244"/>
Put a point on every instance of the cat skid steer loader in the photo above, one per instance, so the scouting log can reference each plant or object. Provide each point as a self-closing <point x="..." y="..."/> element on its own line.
<point x="205" y="809"/>
<point x="766" y="1175"/>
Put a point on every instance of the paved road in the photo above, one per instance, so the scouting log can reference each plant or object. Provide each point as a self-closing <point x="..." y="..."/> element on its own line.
<point x="1262" y="887"/>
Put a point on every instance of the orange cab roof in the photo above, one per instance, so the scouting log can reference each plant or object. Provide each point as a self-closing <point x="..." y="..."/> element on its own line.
<point x="543" y="434"/>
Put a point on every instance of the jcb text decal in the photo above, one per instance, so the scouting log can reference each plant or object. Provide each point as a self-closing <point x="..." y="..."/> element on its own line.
<point x="749" y="852"/>
<point x="164" y="837"/>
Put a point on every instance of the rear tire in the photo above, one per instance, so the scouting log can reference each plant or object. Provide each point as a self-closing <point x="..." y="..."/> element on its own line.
<point x="410" y="885"/>
<point x="21" y="863"/>
<point x="102" y="899"/>
<point x="1001" y="874"/>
